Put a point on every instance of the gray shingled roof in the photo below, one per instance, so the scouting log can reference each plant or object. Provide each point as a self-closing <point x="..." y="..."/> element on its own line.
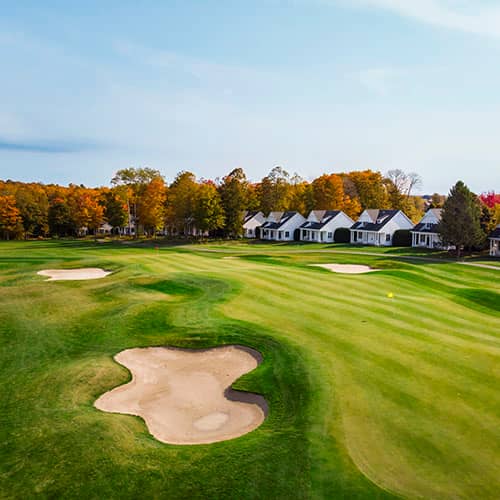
<point x="326" y="217"/>
<point x="379" y="217"/>
<point x="425" y="228"/>
<point x="249" y="215"/>
<point x="285" y="217"/>
<point x="495" y="234"/>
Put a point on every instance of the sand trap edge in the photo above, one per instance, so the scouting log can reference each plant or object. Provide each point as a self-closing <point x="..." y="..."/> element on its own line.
<point x="234" y="395"/>
<point x="347" y="268"/>
<point x="78" y="274"/>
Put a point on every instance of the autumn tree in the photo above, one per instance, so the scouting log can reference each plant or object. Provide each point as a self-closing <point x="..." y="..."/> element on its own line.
<point x="180" y="203"/>
<point x="328" y="192"/>
<point x="115" y="207"/>
<point x="234" y="198"/>
<point x="151" y="206"/>
<point x="10" y="218"/>
<point x="399" y="186"/>
<point x="460" y="224"/>
<point x="208" y="210"/>
<point x="437" y="200"/>
<point x="86" y="211"/>
<point x="490" y="199"/>
<point x="352" y="207"/>
<point x="274" y="190"/>
<point x="59" y="216"/>
<point x="370" y="188"/>
<point x="136" y="180"/>
<point x="33" y="205"/>
<point x="298" y="194"/>
<point x="487" y="219"/>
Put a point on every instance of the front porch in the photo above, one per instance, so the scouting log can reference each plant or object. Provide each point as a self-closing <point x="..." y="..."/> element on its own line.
<point x="494" y="247"/>
<point x="425" y="240"/>
<point x="370" y="238"/>
<point x="316" y="235"/>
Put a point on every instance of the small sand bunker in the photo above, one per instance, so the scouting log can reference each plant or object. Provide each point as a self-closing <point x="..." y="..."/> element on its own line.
<point x="88" y="273"/>
<point x="346" y="268"/>
<point x="184" y="396"/>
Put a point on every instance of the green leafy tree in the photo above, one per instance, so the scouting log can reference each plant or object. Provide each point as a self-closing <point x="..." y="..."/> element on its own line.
<point x="460" y="224"/>
<point x="33" y="205"/>
<point x="234" y="198"/>
<point x="115" y="207"/>
<point x="59" y="217"/>
<point x="208" y="210"/>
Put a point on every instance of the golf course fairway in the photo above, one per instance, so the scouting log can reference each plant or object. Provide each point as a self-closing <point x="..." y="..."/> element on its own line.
<point x="379" y="385"/>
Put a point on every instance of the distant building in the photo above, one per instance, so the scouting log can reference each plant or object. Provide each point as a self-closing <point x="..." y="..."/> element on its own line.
<point x="494" y="238"/>
<point x="321" y="225"/>
<point x="281" y="226"/>
<point x="424" y="234"/>
<point x="377" y="227"/>
<point x="252" y="221"/>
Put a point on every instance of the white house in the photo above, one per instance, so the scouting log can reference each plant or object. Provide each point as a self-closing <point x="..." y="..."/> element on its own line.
<point x="377" y="227"/>
<point x="251" y="221"/>
<point x="321" y="225"/>
<point x="424" y="234"/>
<point x="494" y="238"/>
<point x="281" y="226"/>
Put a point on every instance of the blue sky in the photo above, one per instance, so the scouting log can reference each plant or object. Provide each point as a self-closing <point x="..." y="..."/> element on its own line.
<point x="313" y="85"/>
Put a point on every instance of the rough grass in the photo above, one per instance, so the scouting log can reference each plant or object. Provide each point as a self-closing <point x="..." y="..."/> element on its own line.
<point x="369" y="396"/>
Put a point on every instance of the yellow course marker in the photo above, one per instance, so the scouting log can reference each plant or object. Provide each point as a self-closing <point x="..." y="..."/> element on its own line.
<point x="390" y="295"/>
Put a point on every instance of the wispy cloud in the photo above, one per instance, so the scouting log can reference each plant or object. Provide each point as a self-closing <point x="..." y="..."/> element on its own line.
<point x="53" y="147"/>
<point x="473" y="16"/>
<point x="378" y="80"/>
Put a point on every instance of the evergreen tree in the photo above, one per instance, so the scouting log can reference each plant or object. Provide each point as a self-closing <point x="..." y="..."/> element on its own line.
<point x="460" y="224"/>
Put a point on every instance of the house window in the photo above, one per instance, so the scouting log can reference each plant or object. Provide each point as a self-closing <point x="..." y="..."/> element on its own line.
<point x="287" y="234"/>
<point x="387" y="237"/>
<point x="360" y="235"/>
<point x="250" y="231"/>
<point x="330" y="235"/>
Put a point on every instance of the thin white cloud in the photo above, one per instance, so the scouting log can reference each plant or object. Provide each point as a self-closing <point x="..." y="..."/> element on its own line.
<point x="377" y="80"/>
<point x="473" y="16"/>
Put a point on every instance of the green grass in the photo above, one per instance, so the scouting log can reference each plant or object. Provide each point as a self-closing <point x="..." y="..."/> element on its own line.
<point x="370" y="397"/>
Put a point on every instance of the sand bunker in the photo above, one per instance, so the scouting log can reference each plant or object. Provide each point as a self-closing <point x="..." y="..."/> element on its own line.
<point x="88" y="273"/>
<point x="184" y="396"/>
<point x="346" y="268"/>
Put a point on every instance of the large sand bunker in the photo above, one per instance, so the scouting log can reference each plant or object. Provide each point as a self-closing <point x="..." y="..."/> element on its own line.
<point x="184" y="396"/>
<point x="88" y="273"/>
<point x="346" y="268"/>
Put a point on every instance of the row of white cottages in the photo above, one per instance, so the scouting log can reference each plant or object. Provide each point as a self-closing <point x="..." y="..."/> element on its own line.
<point x="374" y="227"/>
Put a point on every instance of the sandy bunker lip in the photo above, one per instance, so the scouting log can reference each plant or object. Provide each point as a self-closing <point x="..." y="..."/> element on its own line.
<point x="87" y="273"/>
<point x="347" y="268"/>
<point x="185" y="396"/>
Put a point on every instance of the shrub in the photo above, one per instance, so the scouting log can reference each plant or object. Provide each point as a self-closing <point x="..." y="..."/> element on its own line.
<point x="401" y="238"/>
<point x="342" y="235"/>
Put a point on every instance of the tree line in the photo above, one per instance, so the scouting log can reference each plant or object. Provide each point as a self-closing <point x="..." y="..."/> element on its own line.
<point x="139" y="199"/>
